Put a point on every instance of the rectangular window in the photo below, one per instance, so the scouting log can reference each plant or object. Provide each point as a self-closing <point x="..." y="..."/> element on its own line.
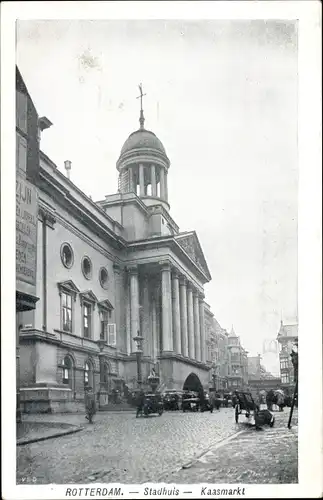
<point x="87" y="315"/>
<point x="21" y="153"/>
<point x="21" y="111"/>
<point x="284" y="363"/>
<point x="67" y="312"/>
<point x="285" y="378"/>
<point x="112" y="337"/>
<point x="105" y="315"/>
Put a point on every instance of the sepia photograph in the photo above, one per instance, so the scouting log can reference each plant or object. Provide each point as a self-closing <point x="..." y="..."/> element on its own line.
<point x="157" y="255"/>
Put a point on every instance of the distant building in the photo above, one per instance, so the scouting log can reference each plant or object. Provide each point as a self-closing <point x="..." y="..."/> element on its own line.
<point x="287" y="337"/>
<point x="237" y="363"/>
<point x="218" y="354"/>
<point x="259" y="377"/>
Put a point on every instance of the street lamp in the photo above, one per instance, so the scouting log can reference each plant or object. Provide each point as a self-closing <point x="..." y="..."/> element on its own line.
<point x="139" y="340"/>
<point x="101" y="344"/>
<point x="294" y="358"/>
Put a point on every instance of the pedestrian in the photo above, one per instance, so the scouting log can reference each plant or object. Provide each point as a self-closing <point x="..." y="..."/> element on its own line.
<point x="140" y="403"/>
<point x="90" y="405"/>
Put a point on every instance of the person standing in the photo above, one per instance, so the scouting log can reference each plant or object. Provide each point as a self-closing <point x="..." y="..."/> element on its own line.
<point x="140" y="403"/>
<point x="90" y="405"/>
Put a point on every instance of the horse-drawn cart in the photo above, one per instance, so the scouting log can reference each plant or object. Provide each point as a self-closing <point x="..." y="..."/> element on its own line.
<point x="245" y="405"/>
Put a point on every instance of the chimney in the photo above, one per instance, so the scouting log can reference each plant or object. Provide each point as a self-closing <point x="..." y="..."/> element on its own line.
<point x="68" y="166"/>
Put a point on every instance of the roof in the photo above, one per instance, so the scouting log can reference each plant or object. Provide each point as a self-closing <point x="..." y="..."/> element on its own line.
<point x="288" y="330"/>
<point x="232" y="333"/>
<point x="142" y="139"/>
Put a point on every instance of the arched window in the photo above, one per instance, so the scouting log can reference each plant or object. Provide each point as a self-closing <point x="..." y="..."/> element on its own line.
<point x="86" y="374"/>
<point x="89" y="374"/>
<point x="67" y="371"/>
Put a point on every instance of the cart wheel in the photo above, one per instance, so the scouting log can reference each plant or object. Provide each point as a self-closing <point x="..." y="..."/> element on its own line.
<point x="237" y="414"/>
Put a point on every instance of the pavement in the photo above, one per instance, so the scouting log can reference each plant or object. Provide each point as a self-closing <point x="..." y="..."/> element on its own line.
<point x="265" y="456"/>
<point x="32" y="432"/>
<point x="174" y="448"/>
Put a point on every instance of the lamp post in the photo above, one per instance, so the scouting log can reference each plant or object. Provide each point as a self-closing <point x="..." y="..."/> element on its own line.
<point x="294" y="358"/>
<point x="139" y="340"/>
<point x="101" y="344"/>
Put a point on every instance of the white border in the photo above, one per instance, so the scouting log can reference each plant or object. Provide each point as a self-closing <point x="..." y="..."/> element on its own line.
<point x="310" y="271"/>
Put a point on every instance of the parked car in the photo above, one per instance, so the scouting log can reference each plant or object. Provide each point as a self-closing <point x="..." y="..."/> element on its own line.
<point x="153" y="403"/>
<point x="190" y="401"/>
<point x="172" y="399"/>
<point x="206" y="404"/>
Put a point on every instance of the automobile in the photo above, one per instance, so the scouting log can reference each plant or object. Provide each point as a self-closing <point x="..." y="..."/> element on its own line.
<point x="153" y="403"/>
<point x="172" y="399"/>
<point x="206" y="404"/>
<point x="190" y="401"/>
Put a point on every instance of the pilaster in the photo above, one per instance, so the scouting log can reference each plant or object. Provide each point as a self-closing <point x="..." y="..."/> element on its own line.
<point x="183" y="315"/>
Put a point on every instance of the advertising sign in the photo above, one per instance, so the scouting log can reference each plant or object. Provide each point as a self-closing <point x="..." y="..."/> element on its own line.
<point x="26" y="231"/>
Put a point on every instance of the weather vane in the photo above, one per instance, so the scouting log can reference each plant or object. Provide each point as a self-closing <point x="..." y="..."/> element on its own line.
<point x="141" y="119"/>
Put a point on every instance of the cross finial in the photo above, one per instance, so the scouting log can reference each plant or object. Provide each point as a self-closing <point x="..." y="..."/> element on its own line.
<point x="141" y="119"/>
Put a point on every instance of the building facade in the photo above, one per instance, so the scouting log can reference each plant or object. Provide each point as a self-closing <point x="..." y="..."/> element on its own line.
<point x="106" y="273"/>
<point x="27" y="171"/>
<point x="237" y="363"/>
<point x="218" y="355"/>
<point x="259" y="378"/>
<point x="287" y="337"/>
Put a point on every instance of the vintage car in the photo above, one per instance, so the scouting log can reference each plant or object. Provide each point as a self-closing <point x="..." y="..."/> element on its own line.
<point x="153" y="403"/>
<point x="172" y="399"/>
<point x="190" y="401"/>
<point x="206" y="403"/>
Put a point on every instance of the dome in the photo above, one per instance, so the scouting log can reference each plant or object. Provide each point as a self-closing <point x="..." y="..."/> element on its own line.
<point x="142" y="138"/>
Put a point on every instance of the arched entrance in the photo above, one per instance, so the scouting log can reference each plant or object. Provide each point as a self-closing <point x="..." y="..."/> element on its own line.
<point x="193" y="383"/>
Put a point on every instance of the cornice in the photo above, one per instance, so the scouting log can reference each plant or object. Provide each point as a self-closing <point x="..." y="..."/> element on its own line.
<point x="182" y="359"/>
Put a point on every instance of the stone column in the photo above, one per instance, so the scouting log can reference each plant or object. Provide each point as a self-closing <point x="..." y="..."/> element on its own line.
<point x="183" y="315"/>
<point x="134" y="305"/>
<point x="141" y="180"/>
<point x="190" y="318"/>
<point x="166" y="307"/>
<point x="166" y="185"/>
<point x="153" y="181"/>
<point x="197" y="334"/>
<point x="128" y="314"/>
<point x="176" y="313"/>
<point x="118" y="279"/>
<point x="146" y="332"/>
<point x="162" y="182"/>
<point x="202" y="328"/>
<point x="154" y="329"/>
<point x="133" y="180"/>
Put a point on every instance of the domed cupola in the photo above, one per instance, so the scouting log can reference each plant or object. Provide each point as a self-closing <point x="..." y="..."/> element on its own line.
<point x="143" y="165"/>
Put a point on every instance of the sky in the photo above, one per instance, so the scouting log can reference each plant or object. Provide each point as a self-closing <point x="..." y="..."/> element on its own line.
<point x="222" y="98"/>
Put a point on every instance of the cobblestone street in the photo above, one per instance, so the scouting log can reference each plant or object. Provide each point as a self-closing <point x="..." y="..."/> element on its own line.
<point x="266" y="456"/>
<point x="121" y="448"/>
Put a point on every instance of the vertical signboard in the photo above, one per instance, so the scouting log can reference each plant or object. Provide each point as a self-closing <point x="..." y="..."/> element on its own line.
<point x="26" y="230"/>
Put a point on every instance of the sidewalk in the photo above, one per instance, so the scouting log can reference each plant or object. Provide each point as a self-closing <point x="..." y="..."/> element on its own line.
<point x="267" y="456"/>
<point x="29" y="431"/>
